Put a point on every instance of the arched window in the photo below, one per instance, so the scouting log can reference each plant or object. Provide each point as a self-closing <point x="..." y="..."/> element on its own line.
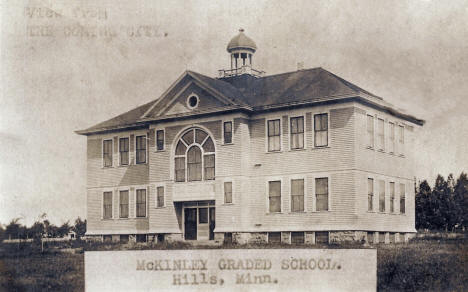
<point x="194" y="156"/>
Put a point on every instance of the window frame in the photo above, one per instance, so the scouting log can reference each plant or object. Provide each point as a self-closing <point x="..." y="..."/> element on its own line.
<point x="146" y="149"/>
<point x="384" y="195"/>
<point x="314" y="132"/>
<point x="391" y="138"/>
<point x="156" y="205"/>
<point x="399" y="198"/>
<point x="156" y="130"/>
<point x="372" y="199"/>
<point x="267" y="144"/>
<point x="138" y="188"/>
<point x="368" y="132"/>
<point x="102" y="203"/>
<point x="224" y="133"/>
<point x="291" y="193"/>
<point x="267" y="191"/>
<point x="304" y="136"/>
<point x="120" y="156"/>
<point x="392" y="192"/>
<point x="111" y="153"/>
<point x="232" y="192"/>
<point x="315" y="193"/>
<point x="175" y="156"/>
<point x="128" y="205"/>
<point x="188" y="101"/>
<point x="381" y="138"/>
<point x="401" y="139"/>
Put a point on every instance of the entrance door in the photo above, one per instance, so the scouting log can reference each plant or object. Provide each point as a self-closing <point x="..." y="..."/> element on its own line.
<point x="190" y="223"/>
<point x="212" y="223"/>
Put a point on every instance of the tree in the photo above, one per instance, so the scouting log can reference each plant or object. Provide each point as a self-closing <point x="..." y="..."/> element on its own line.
<point x="64" y="229"/>
<point x="423" y="194"/>
<point x="13" y="229"/>
<point x="80" y="227"/>
<point x="460" y="197"/>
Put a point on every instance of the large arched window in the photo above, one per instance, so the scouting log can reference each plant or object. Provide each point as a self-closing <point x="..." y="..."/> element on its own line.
<point x="194" y="156"/>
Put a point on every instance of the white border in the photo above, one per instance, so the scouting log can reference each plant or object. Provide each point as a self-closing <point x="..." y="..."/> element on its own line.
<point x="112" y="152"/>
<point x="296" y="177"/>
<point x="232" y="130"/>
<point x="118" y="150"/>
<point x="328" y="129"/>
<point x="135" y="148"/>
<point x="188" y="101"/>
<point x="303" y="115"/>
<point x="280" y="118"/>
<point x="267" y="191"/>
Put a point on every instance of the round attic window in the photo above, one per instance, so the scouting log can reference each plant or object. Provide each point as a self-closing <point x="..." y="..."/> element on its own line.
<point x="192" y="101"/>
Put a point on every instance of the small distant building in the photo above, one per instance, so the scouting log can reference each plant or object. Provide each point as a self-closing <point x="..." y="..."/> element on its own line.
<point x="296" y="157"/>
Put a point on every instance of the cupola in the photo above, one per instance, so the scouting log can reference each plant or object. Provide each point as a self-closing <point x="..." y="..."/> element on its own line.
<point x="241" y="49"/>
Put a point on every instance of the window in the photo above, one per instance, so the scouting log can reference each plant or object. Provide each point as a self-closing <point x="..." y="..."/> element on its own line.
<point x="123" y="150"/>
<point x="402" y="199"/>
<point x="160" y="197"/>
<point x="123" y="201"/>
<point x="192" y="101"/>
<point x="297" y="133"/>
<point x="391" y="145"/>
<point x="141" y="238"/>
<point x="297" y="195"/>
<point x="107" y="153"/>
<point x="401" y="138"/>
<point x="380" y="134"/>
<point x="107" y="205"/>
<point x="194" y="145"/>
<point x="321" y="194"/>
<point x="227" y="128"/>
<point x="297" y="237"/>
<point x="141" y="203"/>
<point x="140" y="149"/>
<point x="203" y="215"/>
<point x="392" y="197"/>
<point x="370" y="131"/>
<point x="160" y="140"/>
<point x="124" y="238"/>
<point x="274" y="135"/>
<point x="228" y="192"/>
<point x="370" y="194"/>
<point x="321" y="237"/>
<point x="321" y="130"/>
<point x="274" y="196"/>
<point x="382" y="196"/>
<point x="274" y="237"/>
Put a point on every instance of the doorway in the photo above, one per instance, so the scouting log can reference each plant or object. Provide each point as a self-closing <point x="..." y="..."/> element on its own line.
<point x="190" y="223"/>
<point x="199" y="222"/>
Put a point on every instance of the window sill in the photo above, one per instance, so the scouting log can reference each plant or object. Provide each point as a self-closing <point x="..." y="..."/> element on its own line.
<point x="108" y="219"/>
<point x="275" y="151"/>
<point x="321" y="211"/>
<point x="163" y="150"/>
<point x="227" y="204"/>
<point x="297" y="212"/>
<point x="141" y="163"/>
<point x="124" y="218"/>
<point x="107" y="167"/>
<point x="274" y="213"/>
<point x="297" y="149"/>
<point x="320" y="147"/>
<point x="141" y="217"/>
<point x="372" y="212"/>
<point x="227" y="144"/>
<point x="161" y="207"/>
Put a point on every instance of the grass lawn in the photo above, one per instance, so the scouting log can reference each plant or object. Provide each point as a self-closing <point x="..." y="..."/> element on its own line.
<point x="422" y="265"/>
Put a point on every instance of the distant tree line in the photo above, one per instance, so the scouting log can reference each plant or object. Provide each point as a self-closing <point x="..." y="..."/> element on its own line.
<point x="41" y="228"/>
<point x="444" y="207"/>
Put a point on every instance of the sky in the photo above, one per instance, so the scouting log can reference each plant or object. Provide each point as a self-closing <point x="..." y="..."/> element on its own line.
<point x="67" y="65"/>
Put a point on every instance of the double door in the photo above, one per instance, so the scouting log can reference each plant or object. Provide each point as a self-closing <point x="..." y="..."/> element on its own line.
<point x="199" y="223"/>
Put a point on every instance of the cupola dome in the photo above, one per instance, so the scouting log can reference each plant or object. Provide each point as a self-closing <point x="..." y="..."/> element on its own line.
<point x="241" y="42"/>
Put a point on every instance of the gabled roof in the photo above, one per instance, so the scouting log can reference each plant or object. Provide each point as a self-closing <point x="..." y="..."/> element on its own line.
<point x="252" y="94"/>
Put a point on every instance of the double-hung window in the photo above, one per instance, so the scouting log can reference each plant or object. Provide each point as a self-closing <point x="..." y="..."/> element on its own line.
<point x="274" y="135"/>
<point x="297" y="195"/>
<point x="401" y="139"/>
<point x="107" y="153"/>
<point x="321" y="130"/>
<point x="370" y="131"/>
<point x="228" y="192"/>
<point x="392" y="197"/>
<point x="297" y="132"/>
<point x="391" y="144"/>
<point x="140" y="149"/>
<point x="321" y="194"/>
<point x="227" y="130"/>
<point x="141" y="203"/>
<point x="123" y="201"/>
<point x="107" y="205"/>
<point x="160" y="196"/>
<point x="160" y="140"/>
<point x="370" y="194"/>
<point x="402" y="199"/>
<point x="123" y="151"/>
<point x="382" y="196"/>
<point x="274" y="196"/>
<point x="380" y="134"/>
